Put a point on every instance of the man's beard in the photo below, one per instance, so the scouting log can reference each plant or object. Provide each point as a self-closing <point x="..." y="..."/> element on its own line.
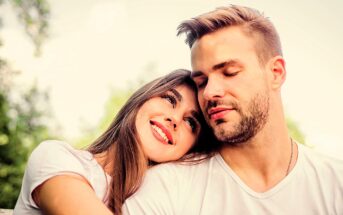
<point x="252" y="121"/>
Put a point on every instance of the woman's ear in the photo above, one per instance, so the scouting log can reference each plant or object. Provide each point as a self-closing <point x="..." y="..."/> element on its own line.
<point x="278" y="72"/>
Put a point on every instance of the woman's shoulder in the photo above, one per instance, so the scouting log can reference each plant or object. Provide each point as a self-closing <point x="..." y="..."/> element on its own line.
<point x="50" y="150"/>
<point x="55" y="145"/>
<point x="56" y="156"/>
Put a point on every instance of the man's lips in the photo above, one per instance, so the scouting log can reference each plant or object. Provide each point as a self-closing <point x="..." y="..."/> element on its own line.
<point x="218" y="112"/>
<point x="161" y="132"/>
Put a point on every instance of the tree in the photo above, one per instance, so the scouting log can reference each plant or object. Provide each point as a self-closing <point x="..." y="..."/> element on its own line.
<point x="21" y="128"/>
<point x="21" y="119"/>
<point x="34" y="16"/>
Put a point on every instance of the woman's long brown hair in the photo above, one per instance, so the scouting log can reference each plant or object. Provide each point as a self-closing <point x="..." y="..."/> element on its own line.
<point x="121" y="141"/>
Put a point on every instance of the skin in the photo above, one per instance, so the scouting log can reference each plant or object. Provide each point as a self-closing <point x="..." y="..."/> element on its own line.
<point x="68" y="194"/>
<point x="228" y="72"/>
<point x="72" y="194"/>
<point x="179" y="119"/>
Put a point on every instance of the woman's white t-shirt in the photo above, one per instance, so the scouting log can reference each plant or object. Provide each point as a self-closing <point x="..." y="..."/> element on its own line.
<point x="52" y="158"/>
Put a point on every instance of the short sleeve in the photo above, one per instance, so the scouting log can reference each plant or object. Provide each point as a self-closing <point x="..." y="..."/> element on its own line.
<point x="50" y="158"/>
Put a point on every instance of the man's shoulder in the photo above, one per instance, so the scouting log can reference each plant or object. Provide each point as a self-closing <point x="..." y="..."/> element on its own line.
<point x="313" y="154"/>
<point x="167" y="187"/>
<point x="321" y="162"/>
<point x="196" y="164"/>
<point x="180" y="173"/>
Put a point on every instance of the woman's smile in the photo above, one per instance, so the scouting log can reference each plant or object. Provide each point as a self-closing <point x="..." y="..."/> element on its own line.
<point x="161" y="133"/>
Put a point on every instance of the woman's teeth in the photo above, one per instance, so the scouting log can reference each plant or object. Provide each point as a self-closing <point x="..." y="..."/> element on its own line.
<point x="161" y="133"/>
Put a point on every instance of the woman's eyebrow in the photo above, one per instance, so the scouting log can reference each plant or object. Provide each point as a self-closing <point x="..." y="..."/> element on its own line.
<point x="177" y="94"/>
<point x="194" y="113"/>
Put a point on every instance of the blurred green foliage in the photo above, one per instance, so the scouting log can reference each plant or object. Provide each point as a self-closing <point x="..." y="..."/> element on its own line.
<point x="295" y="132"/>
<point x="113" y="105"/>
<point x="22" y="115"/>
<point x="34" y="16"/>
<point x="21" y="128"/>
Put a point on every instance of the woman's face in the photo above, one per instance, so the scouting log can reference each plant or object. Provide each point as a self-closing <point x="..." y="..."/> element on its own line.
<point x="168" y="125"/>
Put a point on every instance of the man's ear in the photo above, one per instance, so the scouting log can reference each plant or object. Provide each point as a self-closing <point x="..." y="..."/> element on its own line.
<point x="278" y="72"/>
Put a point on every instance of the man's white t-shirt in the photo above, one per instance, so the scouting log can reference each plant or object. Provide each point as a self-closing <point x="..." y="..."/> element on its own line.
<point x="52" y="158"/>
<point x="314" y="186"/>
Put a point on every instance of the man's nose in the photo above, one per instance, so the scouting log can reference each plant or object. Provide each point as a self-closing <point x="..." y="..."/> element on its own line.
<point x="213" y="88"/>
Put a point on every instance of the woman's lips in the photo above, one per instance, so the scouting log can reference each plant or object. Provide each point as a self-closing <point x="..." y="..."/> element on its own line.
<point x="161" y="133"/>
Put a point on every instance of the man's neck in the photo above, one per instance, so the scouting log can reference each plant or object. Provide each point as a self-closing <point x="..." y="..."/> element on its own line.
<point x="263" y="161"/>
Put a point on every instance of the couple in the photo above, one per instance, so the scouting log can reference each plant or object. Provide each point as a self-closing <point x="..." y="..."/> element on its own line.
<point x="252" y="167"/>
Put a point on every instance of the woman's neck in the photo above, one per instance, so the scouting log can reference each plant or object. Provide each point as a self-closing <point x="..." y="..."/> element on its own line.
<point x="105" y="160"/>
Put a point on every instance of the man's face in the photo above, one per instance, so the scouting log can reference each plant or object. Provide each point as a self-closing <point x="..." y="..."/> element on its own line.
<point x="232" y="85"/>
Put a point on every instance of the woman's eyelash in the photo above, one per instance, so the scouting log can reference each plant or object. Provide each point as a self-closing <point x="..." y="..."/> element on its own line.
<point x="192" y="123"/>
<point x="169" y="98"/>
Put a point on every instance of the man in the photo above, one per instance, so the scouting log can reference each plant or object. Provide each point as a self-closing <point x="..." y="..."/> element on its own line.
<point x="239" y="71"/>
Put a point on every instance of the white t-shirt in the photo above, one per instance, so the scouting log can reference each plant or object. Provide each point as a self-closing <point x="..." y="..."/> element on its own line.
<point x="53" y="158"/>
<point x="314" y="186"/>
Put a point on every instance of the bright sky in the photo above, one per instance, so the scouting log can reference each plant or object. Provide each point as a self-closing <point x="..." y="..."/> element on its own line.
<point x="96" y="46"/>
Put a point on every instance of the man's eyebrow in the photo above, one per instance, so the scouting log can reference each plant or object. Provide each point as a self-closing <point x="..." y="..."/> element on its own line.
<point x="177" y="94"/>
<point x="231" y="62"/>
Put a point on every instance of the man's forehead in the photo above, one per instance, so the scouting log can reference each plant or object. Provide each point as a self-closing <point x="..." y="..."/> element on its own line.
<point x="205" y="57"/>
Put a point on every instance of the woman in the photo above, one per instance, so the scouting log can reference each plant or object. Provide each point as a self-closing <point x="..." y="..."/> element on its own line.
<point x="160" y="122"/>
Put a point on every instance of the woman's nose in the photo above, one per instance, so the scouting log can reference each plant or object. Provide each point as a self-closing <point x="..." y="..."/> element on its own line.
<point x="171" y="121"/>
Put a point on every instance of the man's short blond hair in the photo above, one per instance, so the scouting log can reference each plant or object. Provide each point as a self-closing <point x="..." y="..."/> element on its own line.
<point x="253" y="23"/>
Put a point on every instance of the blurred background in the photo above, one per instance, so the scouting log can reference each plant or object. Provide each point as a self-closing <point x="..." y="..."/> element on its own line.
<point x="66" y="67"/>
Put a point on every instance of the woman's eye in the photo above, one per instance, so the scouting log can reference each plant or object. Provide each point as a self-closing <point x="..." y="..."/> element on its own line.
<point x="171" y="99"/>
<point x="192" y="123"/>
